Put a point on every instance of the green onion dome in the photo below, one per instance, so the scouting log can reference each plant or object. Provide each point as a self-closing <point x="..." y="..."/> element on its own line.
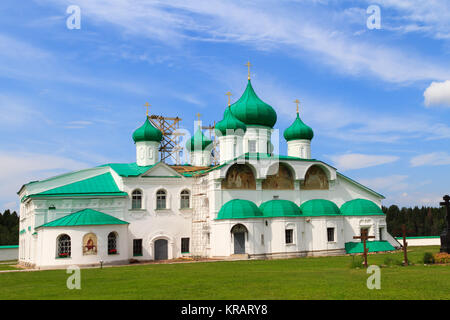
<point x="360" y="207"/>
<point x="239" y="209"/>
<point x="252" y="110"/>
<point x="319" y="207"/>
<point x="147" y="132"/>
<point x="298" y="131"/>
<point x="280" y="208"/>
<point x="230" y="123"/>
<point x="198" y="141"/>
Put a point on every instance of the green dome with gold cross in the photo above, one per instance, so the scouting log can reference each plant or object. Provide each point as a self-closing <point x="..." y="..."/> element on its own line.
<point x="147" y="132"/>
<point x="251" y="110"/>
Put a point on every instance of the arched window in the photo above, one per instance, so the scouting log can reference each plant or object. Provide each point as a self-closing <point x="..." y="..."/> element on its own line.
<point x="64" y="246"/>
<point x="161" y="197"/>
<point x="136" y="199"/>
<point x="185" y="199"/>
<point x="112" y="243"/>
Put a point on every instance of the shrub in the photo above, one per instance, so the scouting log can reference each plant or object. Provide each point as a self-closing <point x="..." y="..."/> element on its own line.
<point x="390" y="261"/>
<point x="428" y="258"/>
<point x="442" y="257"/>
<point x="357" y="262"/>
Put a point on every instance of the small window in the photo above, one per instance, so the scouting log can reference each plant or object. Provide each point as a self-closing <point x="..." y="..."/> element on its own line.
<point x="289" y="236"/>
<point x="185" y="199"/>
<point x="64" y="246"/>
<point x="184" y="245"/>
<point x="136" y="199"/>
<point x="381" y="234"/>
<point x="112" y="243"/>
<point x="262" y="239"/>
<point x="330" y="234"/>
<point x="161" y="197"/>
<point x="137" y="247"/>
<point x="252" y="146"/>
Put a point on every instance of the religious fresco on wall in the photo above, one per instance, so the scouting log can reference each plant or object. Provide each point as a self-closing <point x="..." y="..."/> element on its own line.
<point x="239" y="176"/>
<point x="90" y="244"/>
<point x="315" y="179"/>
<point x="282" y="180"/>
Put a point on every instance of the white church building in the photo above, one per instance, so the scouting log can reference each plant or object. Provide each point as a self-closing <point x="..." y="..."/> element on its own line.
<point x="254" y="204"/>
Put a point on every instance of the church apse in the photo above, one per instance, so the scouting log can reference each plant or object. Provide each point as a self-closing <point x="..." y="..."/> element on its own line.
<point x="239" y="176"/>
<point x="315" y="179"/>
<point x="283" y="179"/>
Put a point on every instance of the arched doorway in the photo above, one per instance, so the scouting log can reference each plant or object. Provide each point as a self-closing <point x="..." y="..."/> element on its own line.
<point x="161" y="249"/>
<point x="239" y="233"/>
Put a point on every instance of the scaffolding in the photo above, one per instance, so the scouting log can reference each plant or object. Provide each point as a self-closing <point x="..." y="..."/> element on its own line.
<point x="200" y="218"/>
<point x="215" y="155"/>
<point x="170" y="148"/>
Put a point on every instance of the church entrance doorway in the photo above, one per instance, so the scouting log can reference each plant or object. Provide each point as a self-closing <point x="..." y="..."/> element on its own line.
<point x="161" y="249"/>
<point x="239" y="232"/>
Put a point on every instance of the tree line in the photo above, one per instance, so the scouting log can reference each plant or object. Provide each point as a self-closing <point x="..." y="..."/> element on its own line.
<point x="9" y="228"/>
<point x="424" y="221"/>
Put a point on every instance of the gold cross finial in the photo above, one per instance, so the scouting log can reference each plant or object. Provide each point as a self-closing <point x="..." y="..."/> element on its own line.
<point x="248" y="64"/>
<point x="229" y="97"/>
<point x="198" y="116"/>
<point x="297" y="102"/>
<point x="147" y="105"/>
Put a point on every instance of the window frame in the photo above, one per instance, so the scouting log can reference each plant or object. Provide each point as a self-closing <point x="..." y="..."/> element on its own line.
<point x="289" y="232"/>
<point x="133" y="200"/>
<point x="183" y="245"/>
<point x="137" y="244"/>
<point x="333" y="235"/>
<point x="110" y="248"/>
<point x="185" y="193"/>
<point x="63" y="250"/>
<point x="252" y="143"/>
<point x="163" y="194"/>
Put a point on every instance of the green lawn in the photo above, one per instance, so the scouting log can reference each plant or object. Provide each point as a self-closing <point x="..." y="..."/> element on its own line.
<point x="302" y="278"/>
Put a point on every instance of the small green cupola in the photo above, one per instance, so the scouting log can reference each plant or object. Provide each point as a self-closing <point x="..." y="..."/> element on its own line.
<point x="298" y="131"/>
<point x="251" y="110"/>
<point x="198" y="142"/>
<point x="230" y="124"/>
<point x="147" y="132"/>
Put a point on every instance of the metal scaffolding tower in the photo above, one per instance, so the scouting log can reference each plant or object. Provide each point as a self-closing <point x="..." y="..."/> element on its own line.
<point x="170" y="145"/>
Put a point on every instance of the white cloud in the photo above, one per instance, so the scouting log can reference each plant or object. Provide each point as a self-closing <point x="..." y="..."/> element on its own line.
<point x="438" y="94"/>
<point x="268" y="25"/>
<point x="388" y="183"/>
<point x="18" y="168"/>
<point x="431" y="159"/>
<point x="358" y="161"/>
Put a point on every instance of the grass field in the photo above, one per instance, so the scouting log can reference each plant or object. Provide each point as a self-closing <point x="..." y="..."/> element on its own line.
<point x="302" y="278"/>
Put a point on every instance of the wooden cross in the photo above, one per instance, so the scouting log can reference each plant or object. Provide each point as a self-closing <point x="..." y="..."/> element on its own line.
<point x="405" y="245"/>
<point x="297" y="102"/>
<point x="229" y="97"/>
<point x="147" y="105"/>
<point x="364" y="237"/>
<point x="445" y="236"/>
<point x="248" y="64"/>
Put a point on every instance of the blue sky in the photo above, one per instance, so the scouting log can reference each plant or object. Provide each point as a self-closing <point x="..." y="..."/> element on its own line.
<point x="378" y="100"/>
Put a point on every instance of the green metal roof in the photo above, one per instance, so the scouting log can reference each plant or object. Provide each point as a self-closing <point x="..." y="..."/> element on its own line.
<point x="9" y="247"/>
<point x="360" y="207"/>
<point x="101" y="185"/>
<point x="319" y="207"/>
<point x="280" y="208"/>
<point x="373" y="246"/>
<point x="128" y="169"/>
<point x="147" y="132"/>
<point x="230" y="125"/>
<point x="251" y="110"/>
<point x="298" y="131"/>
<point x="86" y="217"/>
<point x="198" y="141"/>
<point x="239" y="209"/>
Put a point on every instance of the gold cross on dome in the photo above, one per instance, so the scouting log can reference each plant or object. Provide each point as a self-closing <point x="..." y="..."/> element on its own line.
<point x="229" y="97"/>
<point x="147" y="105"/>
<point x="198" y="116"/>
<point x="248" y="64"/>
<point x="297" y="102"/>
